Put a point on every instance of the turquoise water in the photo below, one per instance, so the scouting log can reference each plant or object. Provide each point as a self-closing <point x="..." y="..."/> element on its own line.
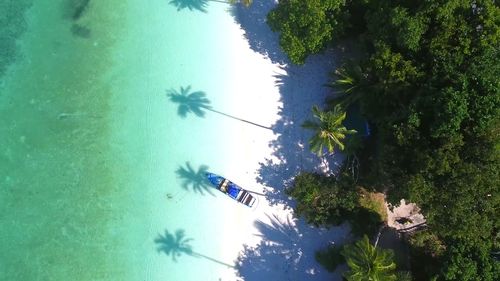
<point x="90" y="143"/>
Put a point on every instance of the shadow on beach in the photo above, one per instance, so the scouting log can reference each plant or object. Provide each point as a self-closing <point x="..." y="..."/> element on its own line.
<point x="300" y="88"/>
<point x="286" y="251"/>
<point x="262" y="40"/>
<point x="197" y="103"/>
<point x="287" y="248"/>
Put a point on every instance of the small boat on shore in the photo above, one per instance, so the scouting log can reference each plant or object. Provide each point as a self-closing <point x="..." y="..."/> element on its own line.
<point x="231" y="189"/>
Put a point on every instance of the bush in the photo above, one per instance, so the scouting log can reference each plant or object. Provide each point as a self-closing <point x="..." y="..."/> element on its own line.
<point x="330" y="201"/>
<point x="373" y="201"/>
<point x="330" y="257"/>
<point x="426" y="251"/>
<point x="364" y="221"/>
<point x="427" y="243"/>
<point x="323" y="200"/>
<point x="404" y="276"/>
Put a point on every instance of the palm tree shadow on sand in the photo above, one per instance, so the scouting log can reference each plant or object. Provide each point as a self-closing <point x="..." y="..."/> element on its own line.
<point x="177" y="244"/>
<point x="197" y="103"/>
<point x="194" y="180"/>
<point x="300" y="88"/>
<point x="194" y="5"/>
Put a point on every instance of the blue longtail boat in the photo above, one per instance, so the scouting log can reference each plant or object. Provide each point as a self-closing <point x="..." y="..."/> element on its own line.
<point x="231" y="189"/>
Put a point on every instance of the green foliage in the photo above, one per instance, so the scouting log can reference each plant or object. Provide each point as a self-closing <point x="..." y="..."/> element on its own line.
<point x="364" y="221"/>
<point x="328" y="200"/>
<point x="330" y="257"/>
<point x="349" y="83"/>
<point x="374" y="202"/>
<point x="428" y="243"/>
<point x="368" y="263"/>
<point x="306" y="27"/>
<point x="429" y="85"/>
<point x="409" y="28"/>
<point x="426" y="250"/>
<point x="353" y="144"/>
<point x="404" y="276"/>
<point x="329" y="131"/>
<point x="391" y="68"/>
<point x="470" y="262"/>
<point x="435" y="101"/>
<point x="323" y="200"/>
<point x="369" y="215"/>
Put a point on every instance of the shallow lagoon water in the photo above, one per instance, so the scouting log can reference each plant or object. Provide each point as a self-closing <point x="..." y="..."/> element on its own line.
<point x="92" y="152"/>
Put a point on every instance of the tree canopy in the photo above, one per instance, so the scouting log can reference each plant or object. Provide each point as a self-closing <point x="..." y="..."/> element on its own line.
<point x="306" y="27"/>
<point x="428" y="84"/>
<point x="435" y="101"/>
<point x="323" y="200"/>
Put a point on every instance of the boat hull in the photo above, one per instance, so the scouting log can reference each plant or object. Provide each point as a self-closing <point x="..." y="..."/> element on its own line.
<point x="232" y="190"/>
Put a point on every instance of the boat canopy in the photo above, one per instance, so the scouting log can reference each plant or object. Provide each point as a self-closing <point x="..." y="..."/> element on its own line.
<point x="233" y="190"/>
<point x="215" y="179"/>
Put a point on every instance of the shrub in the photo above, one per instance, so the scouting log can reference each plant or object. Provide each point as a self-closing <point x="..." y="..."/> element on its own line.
<point x="323" y="200"/>
<point x="364" y="221"/>
<point x="330" y="257"/>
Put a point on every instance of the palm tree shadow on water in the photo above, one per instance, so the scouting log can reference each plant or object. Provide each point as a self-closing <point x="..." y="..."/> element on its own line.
<point x="197" y="103"/>
<point x="194" y="180"/>
<point x="74" y="11"/>
<point x="177" y="244"/>
<point x="194" y="5"/>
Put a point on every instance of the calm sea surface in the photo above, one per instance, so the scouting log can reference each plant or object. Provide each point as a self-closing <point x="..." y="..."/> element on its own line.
<point x="98" y="172"/>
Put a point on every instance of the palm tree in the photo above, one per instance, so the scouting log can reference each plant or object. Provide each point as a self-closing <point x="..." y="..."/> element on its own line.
<point x="194" y="179"/>
<point x="177" y="244"/>
<point x="368" y="263"/>
<point x="351" y="83"/>
<point x="197" y="103"/>
<point x="329" y="131"/>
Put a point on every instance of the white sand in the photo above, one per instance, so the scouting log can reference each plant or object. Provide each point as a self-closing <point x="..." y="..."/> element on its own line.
<point x="269" y="242"/>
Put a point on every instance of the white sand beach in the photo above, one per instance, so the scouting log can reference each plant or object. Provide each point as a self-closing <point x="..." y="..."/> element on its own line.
<point x="269" y="242"/>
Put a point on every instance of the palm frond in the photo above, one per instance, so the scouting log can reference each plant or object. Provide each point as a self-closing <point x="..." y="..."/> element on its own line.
<point x="329" y="130"/>
<point x="366" y="262"/>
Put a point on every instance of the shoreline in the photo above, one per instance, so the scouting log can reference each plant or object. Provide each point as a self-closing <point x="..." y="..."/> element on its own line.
<point x="271" y="231"/>
<point x="122" y="214"/>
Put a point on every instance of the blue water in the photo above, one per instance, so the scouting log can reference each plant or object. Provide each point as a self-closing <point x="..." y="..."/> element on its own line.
<point x="98" y="171"/>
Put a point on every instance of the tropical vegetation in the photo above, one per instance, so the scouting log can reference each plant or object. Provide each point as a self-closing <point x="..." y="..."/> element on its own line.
<point x="306" y="27"/>
<point x="330" y="257"/>
<point x="426" y="79"/>
<point x="368" y="263"/>
<point x="329" y="132"/>
<point x="323" y="200"/>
